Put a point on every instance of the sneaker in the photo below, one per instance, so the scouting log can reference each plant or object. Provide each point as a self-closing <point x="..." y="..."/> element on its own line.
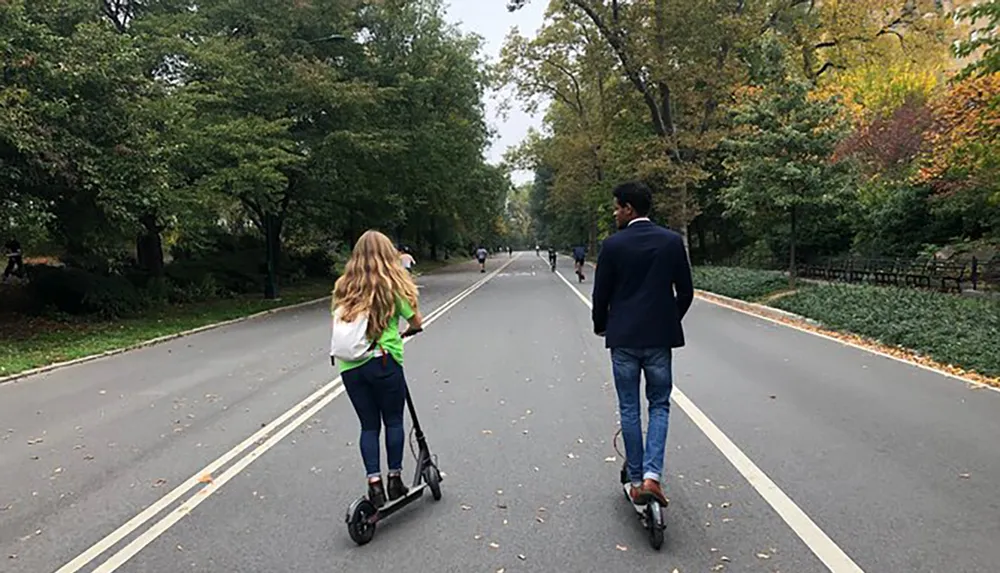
<point x="397" y="488"/>
<point x="376" y="493"/>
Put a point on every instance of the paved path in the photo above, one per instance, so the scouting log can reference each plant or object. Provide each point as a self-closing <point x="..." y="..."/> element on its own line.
<point x="787" y="452"/>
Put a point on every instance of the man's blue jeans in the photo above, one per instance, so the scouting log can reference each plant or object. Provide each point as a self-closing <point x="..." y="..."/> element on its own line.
<point x="655" y="363"/>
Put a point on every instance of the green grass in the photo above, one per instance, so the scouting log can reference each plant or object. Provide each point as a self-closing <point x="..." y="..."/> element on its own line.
<point x="743" y="284"/>
<point x="34" y="342"/>
<point x="950" y="329"/>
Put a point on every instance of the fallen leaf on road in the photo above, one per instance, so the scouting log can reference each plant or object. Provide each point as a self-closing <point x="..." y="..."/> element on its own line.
<point x="179" y="548"/>
<point x="579" y="440"/>
<point x="725" y="505"/>
<point x="466" y="507"/>
<point x="621" y="548"/>
<point x="726" y="519"/>
<point x="499" y="492"/>
<point x="528" y="412"/>
<point x="35" y="441"/>
<point x="964" y="476"/>
<point x="571" y="456"/>
<point x="709" y="506"/>
<point x="718" y="567"/>
<point x="57" y="471"/>
<point x="477" y="537"/>
<point x="501" y="570"/>
<point x="12" y="556"/>
<point x="714" y="549"/>
<point x="522" y="557"/>
<point x="103" y="392"/>
<point x="487" y="432"/>
<point x="207" y="478"/>
<point x="159" y="482"/>
<point x="724" y="558"/>
<point x="763" y="556"/>
<point x="494" y="545"/>
<point x="501" y="505"/>
<point x="611" y="459"/>
<point x="539" y="519"/>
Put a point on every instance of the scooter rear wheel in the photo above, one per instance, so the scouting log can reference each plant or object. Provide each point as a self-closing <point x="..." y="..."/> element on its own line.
<point x="433" y="478"/>
<point x="358" y="527"/>
<point x="655" y="525"/>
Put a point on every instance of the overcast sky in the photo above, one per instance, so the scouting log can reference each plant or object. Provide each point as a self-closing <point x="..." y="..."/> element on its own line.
<point x="491" y="20"/>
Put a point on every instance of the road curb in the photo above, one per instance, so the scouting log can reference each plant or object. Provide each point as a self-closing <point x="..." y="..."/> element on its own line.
<point x="768" y="311"/>
<point x="154" y="341"/>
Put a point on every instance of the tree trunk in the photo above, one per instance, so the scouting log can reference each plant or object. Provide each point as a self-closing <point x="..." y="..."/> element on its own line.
<point x="434" y="239"/>
<point x="149" y="246"/>
<point x="791" y="253"/>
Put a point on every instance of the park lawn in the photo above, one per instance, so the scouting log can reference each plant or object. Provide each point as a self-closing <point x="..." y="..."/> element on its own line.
<point x="949" y="329"/>
<point x="30" y="342"/>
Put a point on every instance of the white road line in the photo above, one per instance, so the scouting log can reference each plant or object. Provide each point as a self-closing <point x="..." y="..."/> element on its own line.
<point x="325" y="395"/>
<point x="815" y="538"/>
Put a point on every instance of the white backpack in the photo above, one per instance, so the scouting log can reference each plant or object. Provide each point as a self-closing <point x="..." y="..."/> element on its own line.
<point x="349" y="340"/>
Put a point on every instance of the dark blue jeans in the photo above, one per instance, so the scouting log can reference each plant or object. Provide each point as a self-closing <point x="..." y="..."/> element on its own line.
<point x="378" y="392"/>
<point x="655" y="363"/>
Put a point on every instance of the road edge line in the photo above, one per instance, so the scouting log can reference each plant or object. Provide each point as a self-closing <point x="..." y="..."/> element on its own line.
<point x="761" y="311"/>
<point x="4" y="381"/>
<point x="823" y="333"/>
<point x="815" y="539"/>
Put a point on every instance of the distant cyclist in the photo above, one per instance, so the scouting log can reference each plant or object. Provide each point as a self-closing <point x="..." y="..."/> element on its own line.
<point x="481" y="257"/>
<point x="579" y="256"/>
<point x="552" y="258"/>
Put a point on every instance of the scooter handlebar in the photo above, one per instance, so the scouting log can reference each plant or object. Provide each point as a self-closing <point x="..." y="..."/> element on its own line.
<point x="412" y="332"/>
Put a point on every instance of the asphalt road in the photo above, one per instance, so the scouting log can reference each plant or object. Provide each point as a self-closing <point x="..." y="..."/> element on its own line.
<point x="784" y="449"/>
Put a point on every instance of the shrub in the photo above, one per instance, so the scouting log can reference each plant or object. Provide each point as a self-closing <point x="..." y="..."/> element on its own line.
<point x="744" y="284"/>
<point x="76" y="291"/>
<point x="950" y="329"/>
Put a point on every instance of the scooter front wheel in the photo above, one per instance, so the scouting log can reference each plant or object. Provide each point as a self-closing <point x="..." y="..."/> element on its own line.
<point x="359" y="524"/>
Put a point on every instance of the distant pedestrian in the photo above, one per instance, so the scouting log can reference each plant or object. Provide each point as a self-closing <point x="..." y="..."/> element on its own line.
<point x="481" y="257"/>
<point x="407" y="260"/>
<point x="15" y="259"/>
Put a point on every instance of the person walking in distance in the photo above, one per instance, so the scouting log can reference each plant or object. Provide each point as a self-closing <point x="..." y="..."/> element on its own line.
<point x="374" y="293"/>
<point x="406" y="258"/>
<point x="481" y="257"/>
<point x="15" y="259"/>
<point x="642" y="290"/>
<point x="579" y="257"/>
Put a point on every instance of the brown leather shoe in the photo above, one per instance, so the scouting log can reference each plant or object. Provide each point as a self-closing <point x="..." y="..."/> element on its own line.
<point x="638" y="495"/>
<point x="655" y="491"/>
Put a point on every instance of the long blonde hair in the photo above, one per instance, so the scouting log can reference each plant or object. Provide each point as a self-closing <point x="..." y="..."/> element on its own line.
<point x="372" y="279"/>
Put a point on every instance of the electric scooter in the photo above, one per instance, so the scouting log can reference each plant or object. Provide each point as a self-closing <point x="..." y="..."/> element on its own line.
<point x="651" y="514"/>
<point x="363" y="516"/>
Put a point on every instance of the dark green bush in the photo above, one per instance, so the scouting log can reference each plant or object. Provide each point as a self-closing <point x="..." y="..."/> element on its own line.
<point x="79" y="292"/>
<point x="950" y="329"/>
<point x="744" y="284"/>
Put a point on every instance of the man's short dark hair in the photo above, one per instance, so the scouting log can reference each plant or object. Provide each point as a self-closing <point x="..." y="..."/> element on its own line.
<point x="636" y="194"/>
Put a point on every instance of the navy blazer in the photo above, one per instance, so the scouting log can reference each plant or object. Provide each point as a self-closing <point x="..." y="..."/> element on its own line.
<point x="638" y="270"/>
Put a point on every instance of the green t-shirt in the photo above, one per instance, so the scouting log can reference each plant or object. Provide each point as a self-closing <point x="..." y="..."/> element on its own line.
<point x="391" y="341"/>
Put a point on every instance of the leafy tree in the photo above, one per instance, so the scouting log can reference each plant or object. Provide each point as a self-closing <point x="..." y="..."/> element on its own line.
<point x="782" y="151"/>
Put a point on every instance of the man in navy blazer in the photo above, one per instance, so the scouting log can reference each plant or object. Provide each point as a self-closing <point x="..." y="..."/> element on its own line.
<point x="642" y="290"/>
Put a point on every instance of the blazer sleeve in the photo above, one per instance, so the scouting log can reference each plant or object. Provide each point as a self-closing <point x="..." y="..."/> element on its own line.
<point x="603" y="289"/>
<point x="683" y="285"/>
